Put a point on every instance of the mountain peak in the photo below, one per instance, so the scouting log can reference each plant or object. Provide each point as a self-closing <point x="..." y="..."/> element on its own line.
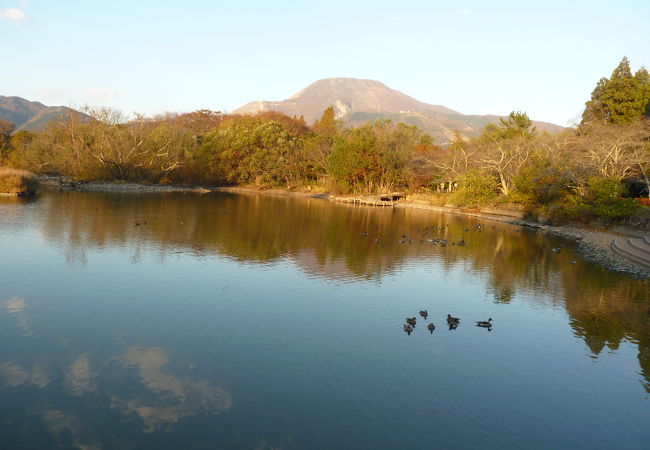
<point x="31" y="116"/>
<point x="356" y="101"/>
<point x="347" y="96"/>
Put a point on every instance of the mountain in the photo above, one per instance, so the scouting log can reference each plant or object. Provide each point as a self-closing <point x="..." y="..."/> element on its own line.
<point x="31" y="116"/>
<point x="358" y="101"/>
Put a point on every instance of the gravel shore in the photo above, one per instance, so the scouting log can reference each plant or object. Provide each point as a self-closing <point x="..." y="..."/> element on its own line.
<point x="594" y="244"/>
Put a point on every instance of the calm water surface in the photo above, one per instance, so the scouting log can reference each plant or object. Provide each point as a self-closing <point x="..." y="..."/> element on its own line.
<point x="242" y="321"/>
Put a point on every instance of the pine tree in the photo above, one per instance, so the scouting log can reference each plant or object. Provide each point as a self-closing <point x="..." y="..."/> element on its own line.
<point x="327" y="125"/>
<point x="595" y="111"/>
<point x="643" y="78"/>
<point x="623" y="98"/>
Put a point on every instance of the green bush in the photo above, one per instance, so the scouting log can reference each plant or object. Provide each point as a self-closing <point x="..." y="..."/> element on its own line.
<point x="475" y="188"/>
<point x="541" y="184"/>
<point x="570" y="208"/>
<point x="604" y="199"/>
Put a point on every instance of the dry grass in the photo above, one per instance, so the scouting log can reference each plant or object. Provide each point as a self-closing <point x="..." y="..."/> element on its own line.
<point x="430" y="198"/>
<point x="17" y="182"/>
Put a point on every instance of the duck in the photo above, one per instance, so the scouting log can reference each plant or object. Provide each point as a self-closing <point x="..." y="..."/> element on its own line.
<point x="424" y="313"/>
<point x="411" y="321"/>
<point x="484" y="323"/>
<point x="452" y="319"/>
<point x="453" y="325"/>
<point x="431" y="327"/>
<point x="408" y="329"/>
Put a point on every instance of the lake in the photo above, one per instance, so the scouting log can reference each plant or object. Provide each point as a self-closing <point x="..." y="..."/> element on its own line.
<point x="236" y="321"/>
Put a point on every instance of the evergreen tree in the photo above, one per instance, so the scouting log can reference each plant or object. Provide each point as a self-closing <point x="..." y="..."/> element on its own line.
<point x="516" y="125"/>
<point x="623" y="98"/>
<point x="595" y="109"/>
<point x="643" y="78"/>
<point x="327" y="125"/>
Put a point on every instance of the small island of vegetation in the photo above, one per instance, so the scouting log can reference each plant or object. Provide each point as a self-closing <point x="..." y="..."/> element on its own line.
<point x="17" y="182"/>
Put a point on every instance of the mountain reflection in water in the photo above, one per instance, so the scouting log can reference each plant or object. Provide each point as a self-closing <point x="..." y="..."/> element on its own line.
<point x="165" y="312"/>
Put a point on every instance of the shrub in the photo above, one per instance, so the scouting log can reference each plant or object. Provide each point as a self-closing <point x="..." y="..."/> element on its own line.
<point x="570" y="208"/>
<point x="604" y="197"/>
<point x="475" y="188"/>
<point x="601" y="199"/>
<point x="13" y="181"/>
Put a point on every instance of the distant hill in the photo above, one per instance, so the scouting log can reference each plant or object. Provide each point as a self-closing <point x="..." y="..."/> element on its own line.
<point x="31" y="116"/>
<point x="357" y="101"/>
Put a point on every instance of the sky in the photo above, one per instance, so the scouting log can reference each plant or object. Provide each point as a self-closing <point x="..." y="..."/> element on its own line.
<point x="475" y="57"/>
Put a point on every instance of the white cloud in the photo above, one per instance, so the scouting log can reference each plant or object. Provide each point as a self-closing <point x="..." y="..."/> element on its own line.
<point x="13" y="14"/>
<point x="462" y="12"/>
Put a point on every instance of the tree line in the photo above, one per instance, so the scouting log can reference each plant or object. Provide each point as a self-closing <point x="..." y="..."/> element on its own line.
<point x="583" y="172"/>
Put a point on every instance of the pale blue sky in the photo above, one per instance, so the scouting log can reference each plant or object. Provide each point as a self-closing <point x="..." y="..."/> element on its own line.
<point x="475" y="57"/>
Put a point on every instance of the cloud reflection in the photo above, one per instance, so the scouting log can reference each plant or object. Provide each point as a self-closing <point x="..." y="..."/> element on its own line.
<point x="14" y="305"/>
<point x="14" y="375"/>
<point x="174" y="397"/>
<point x="79" y="377"/>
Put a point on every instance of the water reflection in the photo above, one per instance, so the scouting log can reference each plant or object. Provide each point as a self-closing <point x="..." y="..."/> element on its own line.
<point x="112" y="385"/>
<point x="343" y="242"/>
<point x="140" y="375"/>
<point x="170" y="397"/>
<point x="15" y="306"/>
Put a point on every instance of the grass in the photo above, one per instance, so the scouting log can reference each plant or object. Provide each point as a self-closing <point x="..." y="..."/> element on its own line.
<point x="17" y="182"/>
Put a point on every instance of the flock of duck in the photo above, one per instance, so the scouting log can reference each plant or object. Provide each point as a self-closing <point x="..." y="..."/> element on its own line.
<point x="406" y="239"/>
<point x="452" y="323"/>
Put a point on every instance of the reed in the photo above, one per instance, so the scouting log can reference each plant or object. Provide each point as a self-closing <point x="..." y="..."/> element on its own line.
<point x="17" y="182"/>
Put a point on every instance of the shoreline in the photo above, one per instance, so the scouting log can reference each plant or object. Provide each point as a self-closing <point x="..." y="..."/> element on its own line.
<point x="593" y="243"/>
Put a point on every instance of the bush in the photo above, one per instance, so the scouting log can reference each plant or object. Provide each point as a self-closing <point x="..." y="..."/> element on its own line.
<point x="475" y="188"/>
<point x="13" y="181"/>
<point x="604" y="198"/>
<point x="541" y="183"/>
<point x="570" y="208"/>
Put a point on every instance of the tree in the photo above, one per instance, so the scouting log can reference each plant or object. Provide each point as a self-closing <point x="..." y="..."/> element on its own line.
<point x="374" y="157"/>
<point x="595" y="111"/>
<point x="516" y="125"/>
<point x="621" y="99"/>
<point x="6" y="128"/>
<point x="507" y="147"/>
<point x="327" y="125"/>
<point x="451" y="162"/>
<point x="249" y="149"/>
